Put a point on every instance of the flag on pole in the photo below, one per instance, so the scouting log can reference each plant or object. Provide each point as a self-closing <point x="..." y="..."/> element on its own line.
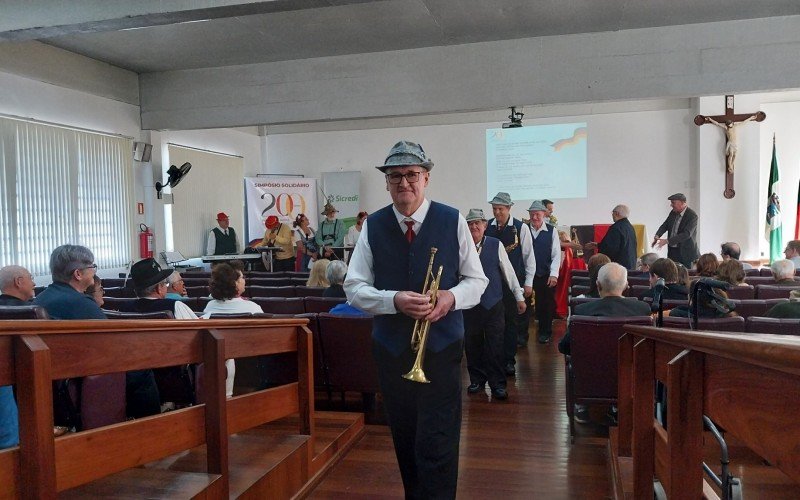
<point x="773" y="228"/>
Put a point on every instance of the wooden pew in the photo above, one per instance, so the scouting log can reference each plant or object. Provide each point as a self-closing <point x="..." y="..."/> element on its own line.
<point x="749" y="384"/>
<point x="222" y="450"/>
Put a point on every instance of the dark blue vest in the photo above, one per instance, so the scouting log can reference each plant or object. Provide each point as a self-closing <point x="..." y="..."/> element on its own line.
<point x="507" y="237"/>
<point x="224" y="244"/>
<point x="542" y="248"/>
<point x="401" y="266"/>
<point x="491" y="268"/>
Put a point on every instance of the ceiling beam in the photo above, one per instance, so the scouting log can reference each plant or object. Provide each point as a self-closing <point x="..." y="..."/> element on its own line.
<point x="666" y="62"/>
<point x="37" y="19"/>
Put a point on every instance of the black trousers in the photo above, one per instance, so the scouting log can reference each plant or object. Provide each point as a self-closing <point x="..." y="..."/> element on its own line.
<point x="141" y="393"/>
<point x="545" y="305"/>
<point x="425" y="418"/>
<point x="483" y="345"/>
<point x="283" y="264"/>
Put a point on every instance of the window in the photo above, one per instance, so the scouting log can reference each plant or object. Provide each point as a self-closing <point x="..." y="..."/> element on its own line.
<point x="61" y="186"/>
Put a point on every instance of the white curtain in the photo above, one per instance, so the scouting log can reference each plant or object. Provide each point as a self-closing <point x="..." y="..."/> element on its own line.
<point x="64" y="186"/>
<point x="215" y="184"/>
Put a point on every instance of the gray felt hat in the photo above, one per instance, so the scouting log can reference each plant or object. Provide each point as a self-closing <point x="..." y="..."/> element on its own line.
<point x="475" y="214"/>
<point x="406" y="154"/>
<point x="678" y="196"/>
<point x="502" y="199"/>
<point x="537" y="206"/>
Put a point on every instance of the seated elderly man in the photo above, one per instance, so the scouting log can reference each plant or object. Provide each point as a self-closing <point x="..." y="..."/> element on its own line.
<point x="176" y="288"/>
<point x="789" y="309"/>
<point x="732" y="250"/>
<point x="16" y="285"/>
<point x="73" y="269"/>
<point x="645" y="261"/>
<point x="783" y="272"/>
<point x="612" y="279"/>
<point x="149" y="281"/>
<point x="335" y="273"/>
<point x="611" y="282"/>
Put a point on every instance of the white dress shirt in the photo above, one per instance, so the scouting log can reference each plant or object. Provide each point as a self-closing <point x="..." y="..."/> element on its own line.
<point x="508" y="272"/>
<point x="555" y="251"/>
<point x="212" y="242"/>
<point x="359" y="284"/>
<point x="526" y="244"/>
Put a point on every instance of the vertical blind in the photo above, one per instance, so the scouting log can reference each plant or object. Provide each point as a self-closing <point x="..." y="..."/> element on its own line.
<point x="63" y="186"/>
<point x="215" y="184"/>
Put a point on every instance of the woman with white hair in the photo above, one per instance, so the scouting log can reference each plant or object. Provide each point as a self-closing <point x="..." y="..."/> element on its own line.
<point x="335" y="273"/>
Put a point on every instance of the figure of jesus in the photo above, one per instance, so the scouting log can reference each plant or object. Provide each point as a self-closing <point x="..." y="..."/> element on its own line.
<point x="730" y="138"/>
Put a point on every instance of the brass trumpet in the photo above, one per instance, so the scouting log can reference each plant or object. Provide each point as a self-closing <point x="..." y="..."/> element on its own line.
<point x="419" y="336"/>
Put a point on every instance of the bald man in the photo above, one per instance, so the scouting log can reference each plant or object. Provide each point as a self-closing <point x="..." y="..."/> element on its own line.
<point x="16" y="285"/>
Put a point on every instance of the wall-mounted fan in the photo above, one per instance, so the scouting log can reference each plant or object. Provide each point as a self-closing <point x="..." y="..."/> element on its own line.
<point x="174" y="176"/>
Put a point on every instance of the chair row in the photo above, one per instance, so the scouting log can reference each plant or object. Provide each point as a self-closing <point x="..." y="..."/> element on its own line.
<point x="205" y="276"/>
<point x="645" y="280"/>
<point x="250" y="291"/>
<point x="763" y="271"/>
<point x="737" y="292"/>
<point x="744" y="308"/>
<point x="592" y="365"/>
<point x="274" y="305"/>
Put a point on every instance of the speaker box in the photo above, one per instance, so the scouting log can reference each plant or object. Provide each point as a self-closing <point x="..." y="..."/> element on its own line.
<point x="142" y="151"/>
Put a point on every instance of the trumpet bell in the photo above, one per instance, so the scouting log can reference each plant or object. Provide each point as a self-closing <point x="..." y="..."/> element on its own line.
<point x="417" y="375"/>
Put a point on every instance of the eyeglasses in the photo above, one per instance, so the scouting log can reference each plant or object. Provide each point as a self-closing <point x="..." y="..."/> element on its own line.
<point x="410" y="177"/>
<point x="90" y="266"/>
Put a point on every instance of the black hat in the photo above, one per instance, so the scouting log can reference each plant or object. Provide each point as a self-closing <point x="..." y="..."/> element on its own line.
<point x="678" y="196"/>
<point x="147" y="273"/>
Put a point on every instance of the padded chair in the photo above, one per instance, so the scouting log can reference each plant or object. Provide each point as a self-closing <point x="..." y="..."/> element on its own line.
<point x="347" y="345"/>
<point x="579" y="272"/>
<point x="114" y="303"/>
<point x="322" y="304"/>
<point x="761" y="280"/>
<point x="752" y="272"/>
<point x="102" y="400"/>
<point x="779" y="326"/>
<point x="576" y="290"/>
<point x="119" y="292"/>
<point x="741" y="292"/>
<point x="134" y="315"/>
<point x="197" y="291"/>
<point x="269" y="291"/>
<point x="114" y="282"/>
<point x="281" y="305"/>
<point x="299" y="281"/>
<point x="195" y="282"/>
<point x="579" y="280"/>
<point x="199" y="304"/>
<point x="23" y="312"/>
<point x="755" y="307"/>
<point x="766" y="271"/>
<point x="271" y="282"/>
<point x="731" y="324"/>
<point x="639" y="281"/>
<point x="297" y="274"/>
<point x="592" y="366"/>
<point x="774" y="291"/>
<point x="309" y="291"/>
<point x="637" y="291"/>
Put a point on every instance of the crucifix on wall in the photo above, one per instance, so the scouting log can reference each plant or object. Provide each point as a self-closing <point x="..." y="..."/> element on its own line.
<point x="728" y="123"/>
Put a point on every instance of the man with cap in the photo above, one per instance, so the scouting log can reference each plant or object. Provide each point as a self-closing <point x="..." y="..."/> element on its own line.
<point x="279" y="235"/>
<point x="518" y="245"/>
<point x="150" y="283"/>
<point x="331" y="234"/>
<point x="681" y="226"/>
<point x="222" y="240"/>
<point x="547" y="251"/>
<point x="485" y="323"/>
<point x="386" y="275"/>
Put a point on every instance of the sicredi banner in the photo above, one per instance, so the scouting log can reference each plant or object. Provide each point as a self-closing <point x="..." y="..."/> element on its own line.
<point x="342" y="190"/>
<point x="284" y="197"/>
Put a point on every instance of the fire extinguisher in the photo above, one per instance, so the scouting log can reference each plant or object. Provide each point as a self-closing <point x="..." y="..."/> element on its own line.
<point x="145" y="242"/>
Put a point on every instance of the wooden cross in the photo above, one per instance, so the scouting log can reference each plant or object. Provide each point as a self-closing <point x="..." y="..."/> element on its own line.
<point x="728" y="123"/>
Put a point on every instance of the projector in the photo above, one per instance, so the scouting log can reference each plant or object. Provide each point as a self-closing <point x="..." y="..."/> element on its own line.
<point x="515" y="117"/>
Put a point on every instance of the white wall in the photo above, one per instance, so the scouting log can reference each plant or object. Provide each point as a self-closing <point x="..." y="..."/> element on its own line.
<point x="636" y="158"/>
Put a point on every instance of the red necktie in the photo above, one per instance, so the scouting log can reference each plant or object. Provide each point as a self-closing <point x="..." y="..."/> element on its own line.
<point x="410" y="231"/>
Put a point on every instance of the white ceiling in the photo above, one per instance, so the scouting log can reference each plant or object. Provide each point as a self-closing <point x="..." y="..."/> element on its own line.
<point x="305" y="30"/>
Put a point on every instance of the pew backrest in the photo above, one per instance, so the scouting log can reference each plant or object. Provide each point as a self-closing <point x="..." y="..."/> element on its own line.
<point x="778" y="326"/>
